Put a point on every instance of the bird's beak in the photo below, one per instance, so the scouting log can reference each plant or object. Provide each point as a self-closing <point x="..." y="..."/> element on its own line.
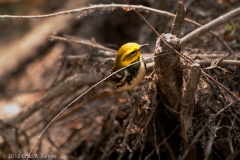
<point x="143" y="45"/>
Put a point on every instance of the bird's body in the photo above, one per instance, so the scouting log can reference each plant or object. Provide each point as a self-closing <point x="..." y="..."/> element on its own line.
<point x="128" y="78"/>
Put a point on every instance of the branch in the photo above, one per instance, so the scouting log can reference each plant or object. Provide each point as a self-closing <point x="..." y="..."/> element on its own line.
<point x="212" y="136"/>
<point x="150" y="154"/>
<point x="74" y="40"/>
<point x="221" y="63"/>
<point x="89" y="10"/>
<point x="209" y="26"/>
<point x="179" y="19"/>
<point x="187" y="105"/>
<point x="85" y="11"/>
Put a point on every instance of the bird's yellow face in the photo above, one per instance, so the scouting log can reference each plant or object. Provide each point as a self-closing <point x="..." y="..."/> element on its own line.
<point x="127" y="54"/>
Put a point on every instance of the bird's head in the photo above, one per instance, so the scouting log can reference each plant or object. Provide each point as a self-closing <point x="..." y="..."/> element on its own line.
<point x="127" y="54"/>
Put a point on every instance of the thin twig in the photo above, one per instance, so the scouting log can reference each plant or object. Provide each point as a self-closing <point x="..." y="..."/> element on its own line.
<point x="89" y="10"/>
<point x="221" y="63"/>
<point x="195" y="139"/>
<point x="149" y="155"/>
<point x="143" y="144"/>
<point x="155" y="137"/>
<point x="80" y="41"/>
<point x="200" y="132"/>
<point x="127" y="132"/>
<point x="212" y="136"/>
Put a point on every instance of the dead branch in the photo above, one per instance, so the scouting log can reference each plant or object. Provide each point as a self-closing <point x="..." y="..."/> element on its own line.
<point x="179" y="19"/>
<point x="187" y="105"/>
<point x="74" y="40"/>
<point x="148" y="156"/>
<point x="95" y="8"/>
<point x="127" y="132"/>
<point x="221" y="62"/>
<point x="211" y="25"/>
<point x="169" y="70"/>
<point x="212" y="135"/>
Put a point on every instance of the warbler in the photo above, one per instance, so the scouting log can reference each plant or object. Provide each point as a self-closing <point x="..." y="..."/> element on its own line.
<point x="130" y="77"/>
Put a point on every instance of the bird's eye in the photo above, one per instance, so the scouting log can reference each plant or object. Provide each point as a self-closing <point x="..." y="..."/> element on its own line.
<point x="133" y="52"/>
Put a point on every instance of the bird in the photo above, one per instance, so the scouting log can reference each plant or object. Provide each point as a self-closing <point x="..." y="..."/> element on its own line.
<point x="128" y="78"/>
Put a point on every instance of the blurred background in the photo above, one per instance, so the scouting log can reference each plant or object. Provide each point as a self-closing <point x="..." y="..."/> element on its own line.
<point x="32" y="65"/>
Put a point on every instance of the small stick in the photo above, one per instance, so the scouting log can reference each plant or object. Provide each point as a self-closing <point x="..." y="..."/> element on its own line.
<point x="149" y="155"/>
<point x="212" y="136"/>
